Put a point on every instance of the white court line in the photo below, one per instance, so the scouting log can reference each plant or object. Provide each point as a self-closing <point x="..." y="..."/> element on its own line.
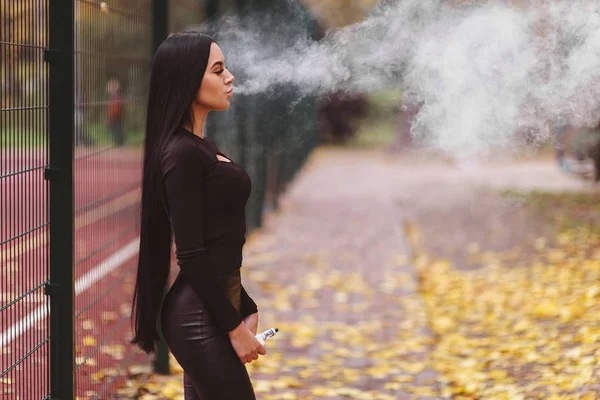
<point x="83" y="220"/>
<point x="81" y="285"/>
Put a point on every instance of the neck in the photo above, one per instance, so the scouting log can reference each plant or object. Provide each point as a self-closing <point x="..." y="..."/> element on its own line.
<point x="199" y="116"/>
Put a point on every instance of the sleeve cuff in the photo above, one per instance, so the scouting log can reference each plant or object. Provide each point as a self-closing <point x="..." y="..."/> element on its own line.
<point x="248" y="306"/>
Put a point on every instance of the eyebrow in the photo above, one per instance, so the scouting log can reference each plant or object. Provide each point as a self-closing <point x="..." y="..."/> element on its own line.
<point x="218" y="62"/>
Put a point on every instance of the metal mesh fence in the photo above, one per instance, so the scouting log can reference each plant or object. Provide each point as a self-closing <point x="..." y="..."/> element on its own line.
<point x="112" y="61"/>
<point x="24" y="329"/>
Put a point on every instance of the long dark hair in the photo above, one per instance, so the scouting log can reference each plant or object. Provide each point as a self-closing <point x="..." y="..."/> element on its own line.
<point x="177" y="71"/>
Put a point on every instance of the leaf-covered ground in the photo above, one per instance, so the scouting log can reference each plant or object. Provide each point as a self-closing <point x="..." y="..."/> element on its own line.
<point x="487" y="302"/>
<point x="516" y="332"/>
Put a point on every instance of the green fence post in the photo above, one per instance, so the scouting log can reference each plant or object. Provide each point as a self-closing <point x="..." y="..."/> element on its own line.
<point x="59" y="173"/>
<point x="160" y="23"/>
<point x="211" y="8"/>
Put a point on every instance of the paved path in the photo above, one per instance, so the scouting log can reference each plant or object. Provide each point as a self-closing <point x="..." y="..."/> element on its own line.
<point x="457" y="206"/>
<point x="330" y="269"/>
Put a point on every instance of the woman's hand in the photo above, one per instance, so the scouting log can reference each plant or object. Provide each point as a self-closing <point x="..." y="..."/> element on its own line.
<point x="246" y="346"/>
<point x="251" y="322"/>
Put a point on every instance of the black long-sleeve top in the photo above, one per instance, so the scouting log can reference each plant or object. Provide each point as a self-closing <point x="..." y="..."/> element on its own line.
<point x="209" y="223"/>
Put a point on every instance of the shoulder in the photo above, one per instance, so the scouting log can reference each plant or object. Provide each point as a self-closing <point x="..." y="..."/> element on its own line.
<point x="180" y="145"/>
<point x="184" y="151"/>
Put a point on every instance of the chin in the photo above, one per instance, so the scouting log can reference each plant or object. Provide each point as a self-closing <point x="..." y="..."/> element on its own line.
<point x="222" y="107"/>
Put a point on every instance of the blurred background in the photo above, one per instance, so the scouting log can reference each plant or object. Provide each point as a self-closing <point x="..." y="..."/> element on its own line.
<point x="392" y="270"/>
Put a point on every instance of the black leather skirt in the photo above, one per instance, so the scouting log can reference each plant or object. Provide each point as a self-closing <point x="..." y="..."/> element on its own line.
<point x="212" y="369"/>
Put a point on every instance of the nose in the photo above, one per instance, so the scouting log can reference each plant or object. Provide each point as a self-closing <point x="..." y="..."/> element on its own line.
<point x="230" y="79"/>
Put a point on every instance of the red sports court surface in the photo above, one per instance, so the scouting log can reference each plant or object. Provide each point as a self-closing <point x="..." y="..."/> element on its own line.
<point x="106" y="231"/>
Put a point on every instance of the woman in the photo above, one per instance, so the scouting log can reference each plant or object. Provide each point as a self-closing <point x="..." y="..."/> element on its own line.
<point x="194" y="192"/>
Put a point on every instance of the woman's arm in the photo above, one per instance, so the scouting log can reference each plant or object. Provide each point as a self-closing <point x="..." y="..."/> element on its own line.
<point x="183" y="180"/>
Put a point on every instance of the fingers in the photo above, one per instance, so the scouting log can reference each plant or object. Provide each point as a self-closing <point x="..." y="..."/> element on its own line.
<point x="248" y="358"/>
<point x="249" y="353"/>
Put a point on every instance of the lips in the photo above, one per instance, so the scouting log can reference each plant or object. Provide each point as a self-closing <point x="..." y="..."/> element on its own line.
<point x="230" y="91"/>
